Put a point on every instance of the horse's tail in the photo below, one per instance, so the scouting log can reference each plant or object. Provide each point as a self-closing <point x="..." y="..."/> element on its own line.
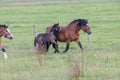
<point x="35" y="42"/>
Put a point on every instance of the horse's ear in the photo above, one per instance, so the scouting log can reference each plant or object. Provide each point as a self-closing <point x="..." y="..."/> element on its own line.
<point x="3" y="25"/>
<point x="57" y="24"/>
<point x="6" y="25"/>
<point x="86" y="19"/>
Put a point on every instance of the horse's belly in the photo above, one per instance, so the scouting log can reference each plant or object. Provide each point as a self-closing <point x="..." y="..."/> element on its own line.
<point x="62" y="40"/>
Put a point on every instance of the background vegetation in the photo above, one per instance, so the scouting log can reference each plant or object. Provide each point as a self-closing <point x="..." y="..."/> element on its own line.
<point x="100" y="60"/>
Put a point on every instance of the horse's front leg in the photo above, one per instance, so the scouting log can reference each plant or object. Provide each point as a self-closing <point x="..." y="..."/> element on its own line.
<point x="67" y="46"/>
<point x="4" y="52"/>
<point x="55" y="46"/>
<point x="79" y="43"/>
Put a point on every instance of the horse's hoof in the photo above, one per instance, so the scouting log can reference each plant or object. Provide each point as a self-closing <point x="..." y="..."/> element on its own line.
<point x="56" y="51"/>
<point x="81" y="49"/>
<point x="64" y="51"/>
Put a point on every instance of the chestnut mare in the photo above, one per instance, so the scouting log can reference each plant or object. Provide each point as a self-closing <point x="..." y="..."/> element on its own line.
<point x="70" y="32"/>
<point x="4" y="31"/>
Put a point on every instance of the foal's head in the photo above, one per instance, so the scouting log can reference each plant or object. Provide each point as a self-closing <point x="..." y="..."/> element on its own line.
<point x="55" y="28"/>
<point x="83" y="23"/>
<point x="4" y="31"/>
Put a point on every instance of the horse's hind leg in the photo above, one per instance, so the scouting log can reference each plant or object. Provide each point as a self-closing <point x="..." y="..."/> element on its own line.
<point x="38" y="54"/>
<point x="47" y="47"/>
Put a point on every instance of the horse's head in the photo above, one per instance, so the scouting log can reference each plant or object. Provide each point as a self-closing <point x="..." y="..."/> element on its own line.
<point x="4" y="30"/>
<point x="55" y="28"/>
<point x="83" y="23"/>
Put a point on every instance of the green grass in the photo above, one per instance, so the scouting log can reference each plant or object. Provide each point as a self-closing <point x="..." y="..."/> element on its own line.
<point x="101" y="60"/>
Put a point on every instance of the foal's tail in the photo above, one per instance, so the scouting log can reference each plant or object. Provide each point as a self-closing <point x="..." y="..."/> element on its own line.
<point x="35" y="42"/>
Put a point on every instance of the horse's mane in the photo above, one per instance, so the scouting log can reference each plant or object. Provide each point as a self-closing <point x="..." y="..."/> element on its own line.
<point x="3" y="26"/>
<point x="80" y="22"/>
<point x="75" y="21"/>
<point x="54" y="26"/>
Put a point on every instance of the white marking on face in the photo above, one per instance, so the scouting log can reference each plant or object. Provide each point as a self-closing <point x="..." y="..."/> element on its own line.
<point x="87" y="24"/>
<point x="9" y="32"/>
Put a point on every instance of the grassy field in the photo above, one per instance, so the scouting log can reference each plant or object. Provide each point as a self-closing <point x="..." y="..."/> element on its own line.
<point x="101" y="60"/>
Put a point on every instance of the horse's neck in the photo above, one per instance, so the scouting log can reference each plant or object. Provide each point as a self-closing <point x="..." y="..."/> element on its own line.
<point x="78" y="29"/>
<point x="54" y="33"/>
<point x="0" y="37"/>
<point x="0" y="43"/>
<point x="1" y="33"/>
<point x="74" y="28"/>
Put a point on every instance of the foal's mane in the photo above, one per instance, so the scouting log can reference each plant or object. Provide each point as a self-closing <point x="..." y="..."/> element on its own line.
<point x="3" y="26"/>
<point x="54" y="26"/>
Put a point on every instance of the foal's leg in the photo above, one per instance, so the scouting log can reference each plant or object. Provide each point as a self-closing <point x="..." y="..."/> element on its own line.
<point x="38" y="54"/>
<point x="47" y="46"/>
<point x="79" y="43"/>
<point x="3" y="50"/>
<point x="67" y="45"/>
<point x="55" y="46"/>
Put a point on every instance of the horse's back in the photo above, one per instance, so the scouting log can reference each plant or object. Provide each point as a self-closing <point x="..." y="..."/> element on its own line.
<point x="66" y="33"/>
<point x="45" y="37"/>
<point x="61" y="35"/>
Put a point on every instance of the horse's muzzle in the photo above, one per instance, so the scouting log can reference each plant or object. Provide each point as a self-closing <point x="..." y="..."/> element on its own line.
<point x="89" y="33"/>
<point x="11" y="38"/>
